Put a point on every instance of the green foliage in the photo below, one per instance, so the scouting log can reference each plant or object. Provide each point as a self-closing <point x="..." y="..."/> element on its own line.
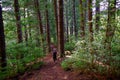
<point x="86" y="55"/>
<point x="69" y="46"/>
<point x="67" y="64"/>
<point x="73" y="63"/>
<point x="18" y="55"/>
<point x="13" y="71"/>
<point x="37" y="65"/>
<point x="22" y="51"/>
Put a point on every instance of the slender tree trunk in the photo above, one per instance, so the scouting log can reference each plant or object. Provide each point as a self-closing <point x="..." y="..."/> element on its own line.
<point x="29" y="26"/>
<point x="56" y="15"/>
<point x="66" y="12"/>
<point x="110" y="30"/>
<point x="47" y="28"/>
<point x="70" y="17"/>
<point x="82" y="23"/>
<point x="3" y="62"/>
<point x="67" y="29"/>
<point x="25" y="26"/>
<point x="18" y="22"/>
<point x="97" y="15"/>
<point x="85" y="15"/>
<point x="37" y="37"/>
<point x="90" y="19"/>
<point x="60" y="28"/>
<point x="74" y="18"/>
<point x="36" y="2"/>
<point x="71" y="27"/>
<point x="110" y="24"/>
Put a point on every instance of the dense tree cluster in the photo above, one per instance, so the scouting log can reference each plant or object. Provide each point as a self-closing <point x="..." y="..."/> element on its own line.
<point x="60" y="22"/>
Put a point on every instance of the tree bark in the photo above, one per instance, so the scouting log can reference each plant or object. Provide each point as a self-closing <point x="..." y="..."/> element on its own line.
<point x="25" y="26"/>
<point x="90" y="19"/>
<point x="85" y="13"/>
<point x="66" y="17"/>
<point x="60" y="28"/>
<point x="97" y="15"/>
<point x="56" y="15"/>
<point x="47" y="28"/>
<point x="82" y="23"/>
<point x="36" y="2"/>
<point x="3" y="62"/>
<point x="18" y="22"/>
<point x="110" y="30"/>
<point x="29" y="26"/>
<point x="74" y="19"/>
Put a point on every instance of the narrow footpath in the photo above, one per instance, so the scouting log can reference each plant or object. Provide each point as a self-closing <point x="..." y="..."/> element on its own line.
<point x="53" y="71"/>
<point x="49" y="71"/>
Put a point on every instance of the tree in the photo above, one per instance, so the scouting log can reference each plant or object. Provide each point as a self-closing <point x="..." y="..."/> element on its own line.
<point x="25" y="26"/>
<point x="36" y="3"/>
<point x="3" y="62"/>
<point x="18" y="22"/>
<point x="97" y="15"/>
<point x="111" y="24"/>
<point x="90" y="19"/>
<point x="74" y="18"/>
<point x="47" y="27"/>
<point x="29" y="24"/>
<point x="66" y="21"/>
<point x="56" y="15"/>
<point x="82" y="23"/>
<point x="60" y="28"/>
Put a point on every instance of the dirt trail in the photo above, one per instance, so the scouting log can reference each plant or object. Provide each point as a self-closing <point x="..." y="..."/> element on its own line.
<point x="53" y="71"/>
<point x="49" y="71"/>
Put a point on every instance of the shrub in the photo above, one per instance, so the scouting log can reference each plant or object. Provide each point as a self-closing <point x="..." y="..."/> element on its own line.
<point x="69" y="46"/>
<point x="18" y="55"/>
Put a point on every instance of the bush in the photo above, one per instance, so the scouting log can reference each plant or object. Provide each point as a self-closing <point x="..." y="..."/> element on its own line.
<point x="72" y="64"/>
<point x="67" y="64"/>
<point x="18" y="55"/>
<point x="69" y="46"/>
<point x="86" y="54"/>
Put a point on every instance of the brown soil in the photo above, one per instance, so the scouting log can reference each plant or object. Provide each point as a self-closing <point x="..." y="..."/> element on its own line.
<point x="53" y="71"/>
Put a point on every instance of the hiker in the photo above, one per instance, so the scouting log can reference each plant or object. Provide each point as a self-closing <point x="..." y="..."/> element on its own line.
<point x="51" y="47"/>
<point x="54" y="53"/>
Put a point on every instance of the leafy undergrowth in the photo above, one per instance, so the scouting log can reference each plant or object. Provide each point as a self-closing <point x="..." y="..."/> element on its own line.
<point x="93" y="59"/>
<point x="81" y="68"/>
<point x="21" y="58"/>
<point x="14" y="73"/>
<point x="54" y="71"/>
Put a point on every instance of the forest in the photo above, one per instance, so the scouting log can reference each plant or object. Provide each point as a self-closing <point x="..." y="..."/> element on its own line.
<point x="85" y="33"/>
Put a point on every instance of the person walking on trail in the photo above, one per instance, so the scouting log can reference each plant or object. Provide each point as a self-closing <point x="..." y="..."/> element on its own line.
<point x="54" y="53"/>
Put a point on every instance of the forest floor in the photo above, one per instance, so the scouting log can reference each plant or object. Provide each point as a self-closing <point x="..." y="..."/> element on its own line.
<point x="54" y="71"/>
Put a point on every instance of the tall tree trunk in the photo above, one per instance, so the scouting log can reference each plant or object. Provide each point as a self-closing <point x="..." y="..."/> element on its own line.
<point x="47" y="27"/>
<point x="29" y="26"/>
<point x="60" y="28"/>
<point x="56" y="15"/>
<point x="36" y="2"/>
<point x="110" y="24"/>
<point x="70" y="17"/>
<point x="25" y="26"/>
<point x="74" y="18"/>
<point x="97" y="15"/>
<point x="3" y="62"/>
<point x="18" y="22"/>
<point x="66" y="19"/>
<point x="90" y="19"/>
<point x="67" y="29"/>
<point x="85" y="11"/>
<point x="71" y="27"/>
<point x="82" y="23"/>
